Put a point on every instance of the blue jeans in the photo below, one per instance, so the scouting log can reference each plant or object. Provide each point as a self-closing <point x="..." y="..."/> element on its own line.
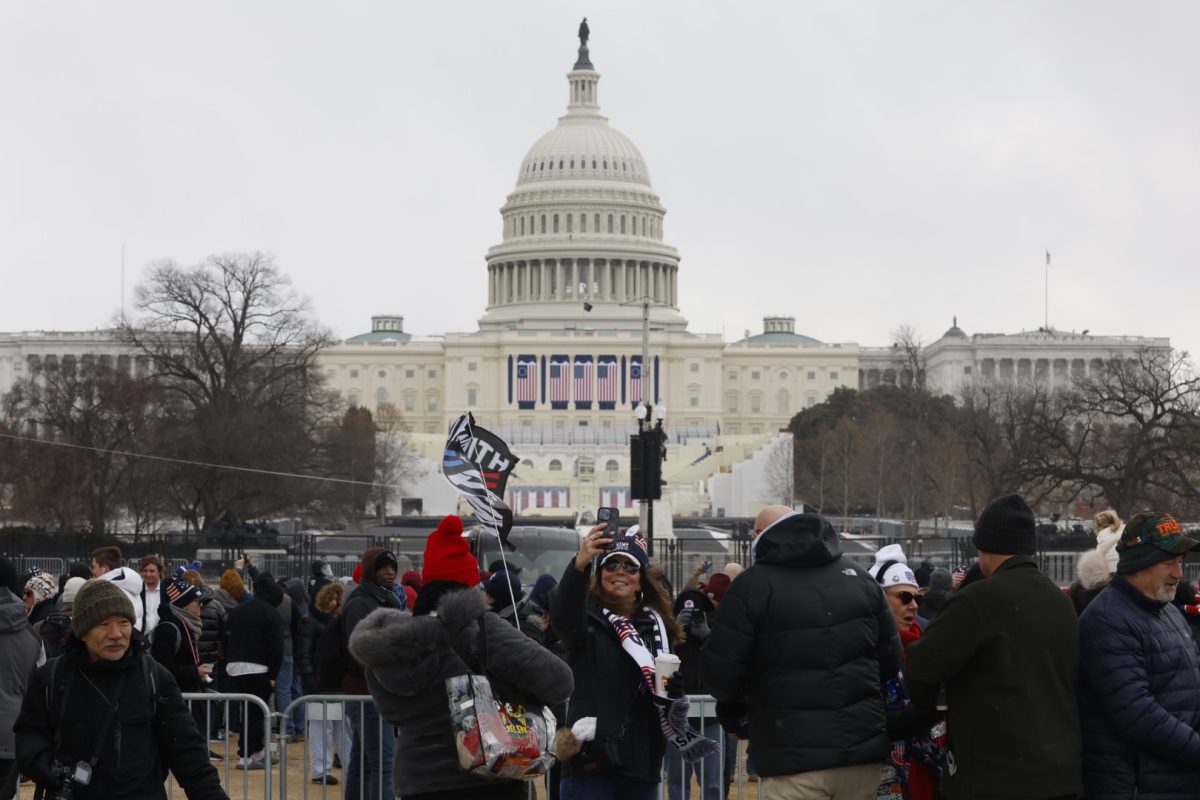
<point x="607" y="787"/>
<point x="283" y="690"/>
<point x="709" y="771"/>
<point x="368" y="771"/>
<point x="297" y="723"/>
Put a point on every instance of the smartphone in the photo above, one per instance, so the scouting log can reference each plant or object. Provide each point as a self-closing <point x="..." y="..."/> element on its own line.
<point x="611" y="517"/>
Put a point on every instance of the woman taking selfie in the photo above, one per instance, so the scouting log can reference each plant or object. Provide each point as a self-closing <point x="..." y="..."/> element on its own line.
<point x="614" y="624"/>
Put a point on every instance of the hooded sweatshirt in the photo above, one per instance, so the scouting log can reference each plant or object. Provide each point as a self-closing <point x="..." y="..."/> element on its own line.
<point x="20" y="649"/>
<point x="362" y="601"/>
<point x="131" y="583"/>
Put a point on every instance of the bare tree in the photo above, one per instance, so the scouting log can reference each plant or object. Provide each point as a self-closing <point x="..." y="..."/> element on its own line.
<point x="234" y="350"/>
<point x="395" y="458"/>
<point x="909" y="357"/>
<point x="781" y="472"/>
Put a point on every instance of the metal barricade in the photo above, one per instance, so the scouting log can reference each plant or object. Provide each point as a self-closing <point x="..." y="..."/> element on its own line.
<point x="215" y="714"/>
<point x="53" y="566"/>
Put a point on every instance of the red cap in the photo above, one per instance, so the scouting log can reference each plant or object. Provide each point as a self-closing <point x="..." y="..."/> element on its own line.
<point x="717" y="586"/>
<point x="448" y="555"/>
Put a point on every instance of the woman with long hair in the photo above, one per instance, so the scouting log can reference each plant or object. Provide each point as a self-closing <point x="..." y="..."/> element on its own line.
<point x="615" y="620"/>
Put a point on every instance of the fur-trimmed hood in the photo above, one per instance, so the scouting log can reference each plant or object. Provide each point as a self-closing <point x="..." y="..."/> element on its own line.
<point x="406" y="652"/>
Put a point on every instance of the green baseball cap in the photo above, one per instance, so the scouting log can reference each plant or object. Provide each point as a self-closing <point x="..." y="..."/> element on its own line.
<point x="1150" y="538"/>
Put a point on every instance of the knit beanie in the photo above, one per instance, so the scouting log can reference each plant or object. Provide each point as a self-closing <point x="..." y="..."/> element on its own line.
<point x="232" y="583"/>
<point x="180" y="592"/>
<point x="96" y="601"/>
<point x="891" y="568"/>
<point x="716" y="587"/>
<point x="1151" y="538"/>
<point x="732" y="569"/>
<point x="448" y="555"/>
<point x="499" y="586"/>
<point x="1006" y="527"/>
<point x="630" y="546"/>
<point x="43" y="585"/>
<point x="71" y="589"/>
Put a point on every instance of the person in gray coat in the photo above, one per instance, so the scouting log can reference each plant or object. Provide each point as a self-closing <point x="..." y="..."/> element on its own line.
<point x="407" y="659"/>
<point x="20" y="651"/>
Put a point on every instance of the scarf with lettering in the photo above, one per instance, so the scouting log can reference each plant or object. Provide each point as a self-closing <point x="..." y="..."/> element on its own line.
<point x="672" y="714"/>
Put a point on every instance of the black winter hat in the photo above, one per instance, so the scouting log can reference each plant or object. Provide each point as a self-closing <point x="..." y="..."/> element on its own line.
<point x="266" y="588"/>
<point x="1006" y="527"/>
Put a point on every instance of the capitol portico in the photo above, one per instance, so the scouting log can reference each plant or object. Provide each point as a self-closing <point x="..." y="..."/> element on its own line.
<point x="556" y="363"/>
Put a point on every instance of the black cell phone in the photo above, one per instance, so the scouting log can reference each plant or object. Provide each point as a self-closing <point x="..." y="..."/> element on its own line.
<point x="611" y="517"/>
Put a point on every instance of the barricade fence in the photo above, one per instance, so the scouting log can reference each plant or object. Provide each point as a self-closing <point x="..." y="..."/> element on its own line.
<point x="334" y="722"/>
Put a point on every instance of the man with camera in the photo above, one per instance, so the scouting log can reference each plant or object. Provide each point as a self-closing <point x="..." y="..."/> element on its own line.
<point x="104" y="720"/>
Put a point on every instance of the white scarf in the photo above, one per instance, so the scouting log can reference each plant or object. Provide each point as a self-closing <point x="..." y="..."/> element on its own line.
<point x="672" y="714"/>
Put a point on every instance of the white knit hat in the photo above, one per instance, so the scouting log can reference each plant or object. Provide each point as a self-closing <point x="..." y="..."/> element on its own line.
<point x="898" y="574"/>
<point x="70" y="588"/>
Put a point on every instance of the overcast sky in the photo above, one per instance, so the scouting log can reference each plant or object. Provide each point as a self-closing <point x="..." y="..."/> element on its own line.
<point x="855" y="164"/>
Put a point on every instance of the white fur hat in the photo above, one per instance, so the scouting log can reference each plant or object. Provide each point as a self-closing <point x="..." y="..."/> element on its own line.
<point x="898" y="574"/>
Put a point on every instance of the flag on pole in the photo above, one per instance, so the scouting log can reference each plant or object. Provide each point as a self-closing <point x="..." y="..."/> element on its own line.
<point x="477" y="463"/>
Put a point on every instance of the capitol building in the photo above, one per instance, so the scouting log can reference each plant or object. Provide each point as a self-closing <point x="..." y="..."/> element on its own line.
<point x="556" y="366"/>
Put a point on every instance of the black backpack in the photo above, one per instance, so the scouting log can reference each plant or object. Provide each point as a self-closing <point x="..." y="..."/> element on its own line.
<point x="53" y="632"/>
<point x="331" y="655"/>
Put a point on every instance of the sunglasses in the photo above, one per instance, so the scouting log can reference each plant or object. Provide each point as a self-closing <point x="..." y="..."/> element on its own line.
<point x="909" y="597"/>
<point x="618" y="564"/>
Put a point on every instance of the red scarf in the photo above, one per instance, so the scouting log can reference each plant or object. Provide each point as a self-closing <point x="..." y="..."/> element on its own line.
<point x="909" y="636"/>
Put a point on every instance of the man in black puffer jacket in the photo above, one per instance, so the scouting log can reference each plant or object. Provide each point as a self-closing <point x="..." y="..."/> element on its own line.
<point x="802" y="643"/>
<point x="1140" y="687"/>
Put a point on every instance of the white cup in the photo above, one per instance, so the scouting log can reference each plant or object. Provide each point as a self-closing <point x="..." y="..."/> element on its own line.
<point x="665" y="665"/>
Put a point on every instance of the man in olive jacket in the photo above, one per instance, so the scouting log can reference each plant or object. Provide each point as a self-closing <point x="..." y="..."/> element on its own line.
<point x="802" y="642"/>
<point x="1006" y="649"/>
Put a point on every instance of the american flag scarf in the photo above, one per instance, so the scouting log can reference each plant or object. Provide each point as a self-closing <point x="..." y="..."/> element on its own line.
<point x="672" y="714"/>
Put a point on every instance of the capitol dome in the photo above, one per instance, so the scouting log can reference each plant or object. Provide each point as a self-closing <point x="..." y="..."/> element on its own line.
<point x="582" y="229"/>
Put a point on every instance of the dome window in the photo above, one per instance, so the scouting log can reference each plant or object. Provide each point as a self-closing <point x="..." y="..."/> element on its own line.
<point x="596" y="227"/>
<point x="572" y="163"/>
<point x="610" y="223"/>
<point x="622" y="223"/>
<point x="583" y="223"/>
<point x="605" y="162"/>
<point x="542" y="167"/>
<point x="556" y="223"/>
<point x="522" y="226"/>
<point x="593" y="163"/>
<point x="624" y="167"/>
<point x="570" y="220"/>
<point x="560" y="163"/>
<point x="543" y="223"/>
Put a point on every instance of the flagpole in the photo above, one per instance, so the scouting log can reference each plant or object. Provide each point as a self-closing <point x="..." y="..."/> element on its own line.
<point x="1046" y="292"/>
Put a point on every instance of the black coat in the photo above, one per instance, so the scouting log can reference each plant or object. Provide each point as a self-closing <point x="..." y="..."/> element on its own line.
<point x="1007" y="650"/>
<point x="212" y="628"/>
<point x="174" y="648"/>
<point x="1139" y="698"/>
<point x="804" y="638"/>
<point x="254" y="634"/>
<point x="362" y="601"/>
<point x="608" y="684"/>
<point x="308" y="636"/>
<point x="155" y="735"/>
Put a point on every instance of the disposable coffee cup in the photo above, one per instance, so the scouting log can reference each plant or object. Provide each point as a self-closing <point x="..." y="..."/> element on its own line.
<point x="665" y="665"/>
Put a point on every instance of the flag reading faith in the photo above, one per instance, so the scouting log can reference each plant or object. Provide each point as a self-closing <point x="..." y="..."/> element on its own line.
<point x="560" y="382"/>
<point x="465" y="474"/>
<point x="527" y="383"/>
<point x="606" y="382"/>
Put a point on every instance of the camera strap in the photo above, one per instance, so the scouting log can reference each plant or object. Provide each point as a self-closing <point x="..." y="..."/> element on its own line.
<point x="113" y="706"/>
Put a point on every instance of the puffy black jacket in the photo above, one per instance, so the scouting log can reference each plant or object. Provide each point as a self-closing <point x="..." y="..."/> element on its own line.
<point x="308" y="636"/>
<point x="608" y="684"/>
<point x="804" y="638"/>
<point x="155" y="734"/>
<point x="408" y="660"/>
<point x="362" y="601"/>
<point x="1139" y="698"/>
<point x="1007" y="650"/>
<point x="212" y="627"/>
<point x="254" y="634"/>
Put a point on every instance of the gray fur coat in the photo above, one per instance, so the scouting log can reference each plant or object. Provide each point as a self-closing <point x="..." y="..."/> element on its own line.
<point x="407" y="660"/>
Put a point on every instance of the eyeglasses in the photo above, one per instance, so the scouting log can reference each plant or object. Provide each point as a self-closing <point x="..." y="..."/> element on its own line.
<point x="909" y="597"/>
<point x="617" y="564"/>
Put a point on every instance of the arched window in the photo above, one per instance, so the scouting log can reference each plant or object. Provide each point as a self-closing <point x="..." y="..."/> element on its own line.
<point x="572" y="163"/>
<point x="784" y="401"/>
<point x="570" y="222"/>
<point x="353" y="399"/>
<point x="543" y="223"/>
<point x="605" y="163"/>
<point x="555" y="465"/>
<point x="556" y="223"/>
<point x="596" y="227"/>
<point x="560" y="163"/>
<point x="611" y="465"/>
<point x="526" y="463"/>
<point x="381" y="397"/>
<point x="522" y="226"/>
<point x="610" y="223"/>
<point x="542" y="166"/>
<point x="583" y="223"/>
<point x="622" y="223"/>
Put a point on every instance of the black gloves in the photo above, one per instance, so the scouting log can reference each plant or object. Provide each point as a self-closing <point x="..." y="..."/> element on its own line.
<point x="675" y="688"/>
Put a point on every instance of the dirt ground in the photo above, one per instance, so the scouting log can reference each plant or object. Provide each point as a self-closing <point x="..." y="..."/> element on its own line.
<point x="242" y="785"/>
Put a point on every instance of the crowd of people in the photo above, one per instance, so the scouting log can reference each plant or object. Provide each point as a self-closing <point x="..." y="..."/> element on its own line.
<point x="901" y="681"/>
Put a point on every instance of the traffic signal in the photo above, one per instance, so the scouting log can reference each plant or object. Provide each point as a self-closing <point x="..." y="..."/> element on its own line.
<point x="645" y="465"/>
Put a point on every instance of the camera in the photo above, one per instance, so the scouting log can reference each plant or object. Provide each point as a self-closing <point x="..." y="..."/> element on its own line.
<point x="611" y="517"/>
<point x="68" y="775"/>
